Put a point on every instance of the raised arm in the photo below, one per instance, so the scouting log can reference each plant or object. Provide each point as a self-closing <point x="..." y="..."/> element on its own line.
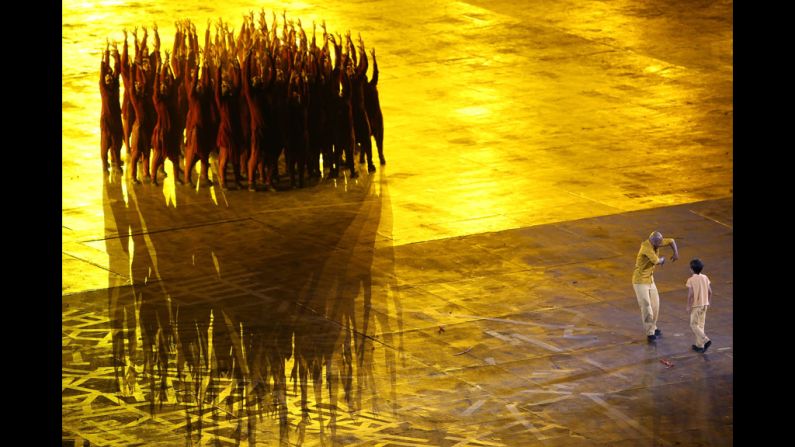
<point x="103" y="67"/>
<point x="285" y="31"/>
<point x="263" y="23"/>
<point x="178" y="39"/>
<point x="374" y="80"/>
<point x="324" y="51"/>
<point x="230" y="41"/>
<point x="351" y="49"/>
<point x="137" y="44"/>
<point x="143" y="41"/>
<point x="314" y="41"/>
<point x="304" y="40"/>
<point x="274" y="25"/>
<point x="193" y="40"/>
<point x="142" y="50"/>
<point x="125" y="59"/>
<point x="157" y="37"/>
<point x="361" y="69"/>
<point x="116" y="62"/>
<point x="218" y="42"/>
<point x="156" y="98"/>
<point x="337" y="53"/>
<point x="176" y="49"/>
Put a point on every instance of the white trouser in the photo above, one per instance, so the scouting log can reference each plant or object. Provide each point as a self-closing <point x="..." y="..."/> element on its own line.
<point x="698" y="316"/>
<point x="649" y="302"/>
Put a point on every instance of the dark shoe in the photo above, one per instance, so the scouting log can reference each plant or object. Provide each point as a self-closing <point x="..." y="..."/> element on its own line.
<point x="707" y="345"/>
<point x="658" y="333"/>
<point x="697" y="349"/>
<point x="651" y="338"/>
<point x="371" y="168"/>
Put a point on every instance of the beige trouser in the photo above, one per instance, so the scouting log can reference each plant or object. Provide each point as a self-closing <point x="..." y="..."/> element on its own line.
<point x="698" y="315"/>
<point x="649" y="302"/>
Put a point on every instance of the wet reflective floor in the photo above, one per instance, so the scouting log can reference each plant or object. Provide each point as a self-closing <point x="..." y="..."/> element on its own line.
<point x="476" y="290"/>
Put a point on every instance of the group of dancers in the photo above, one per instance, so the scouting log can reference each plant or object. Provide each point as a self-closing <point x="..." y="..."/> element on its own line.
<point x="248" y="97"/>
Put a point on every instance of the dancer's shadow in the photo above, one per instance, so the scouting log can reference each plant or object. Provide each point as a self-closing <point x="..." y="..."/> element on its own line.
<point x="229" y="305"/>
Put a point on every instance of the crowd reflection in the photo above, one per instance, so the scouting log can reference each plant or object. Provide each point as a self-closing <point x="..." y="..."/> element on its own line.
<point x="239" y="321"/>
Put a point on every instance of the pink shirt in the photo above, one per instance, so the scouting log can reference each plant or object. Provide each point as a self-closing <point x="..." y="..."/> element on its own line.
<point x="699" y="284"/>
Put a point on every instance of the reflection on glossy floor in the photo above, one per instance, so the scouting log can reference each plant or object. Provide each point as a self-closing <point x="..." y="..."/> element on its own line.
<point x="474" y="291"/>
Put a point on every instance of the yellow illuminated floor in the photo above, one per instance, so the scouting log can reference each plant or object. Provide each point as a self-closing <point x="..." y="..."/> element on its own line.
<point x="476" y="287"/>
